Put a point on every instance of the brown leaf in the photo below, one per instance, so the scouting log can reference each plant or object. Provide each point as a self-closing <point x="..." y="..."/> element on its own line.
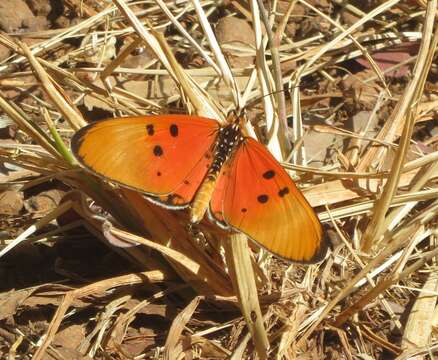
<point x="70" y="337"/>
<point x="363" y="93"/>
<point x="11" y="301"/>
<point x="43" y="203"/>
<point x="11" y="202"/>
<point x="51" y="294"/>
<point x="236" y="32"/>
<point x="67" y="353"/>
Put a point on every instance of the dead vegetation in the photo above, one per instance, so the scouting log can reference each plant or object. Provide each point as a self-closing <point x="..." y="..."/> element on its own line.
<point x="344" y="93"/>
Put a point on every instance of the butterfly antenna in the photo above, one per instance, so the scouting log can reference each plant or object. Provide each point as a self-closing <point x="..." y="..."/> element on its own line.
<point x="257" y="99"/>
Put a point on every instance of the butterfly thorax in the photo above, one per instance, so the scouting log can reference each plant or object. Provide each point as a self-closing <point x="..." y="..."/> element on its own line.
<point x="228" y="140"/>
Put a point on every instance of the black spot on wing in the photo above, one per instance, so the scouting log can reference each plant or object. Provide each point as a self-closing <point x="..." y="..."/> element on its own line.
<point x="158" y="173"/>
<point x="269" y="174"/>
<point x="173" y="130"/>
<point x="150" y="129"/>
<point x="158" y="150"/>
<point x="283" y="191"/>
<point x="262" y="198"/>
<point x="244" y="210"/>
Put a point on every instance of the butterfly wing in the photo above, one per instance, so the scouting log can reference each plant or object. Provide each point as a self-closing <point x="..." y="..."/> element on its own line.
<point x="165" y="156"/>
<point x="255" y="195"/>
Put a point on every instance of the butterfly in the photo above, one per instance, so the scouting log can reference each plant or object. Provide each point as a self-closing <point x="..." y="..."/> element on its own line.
<point x="181" y="161"/>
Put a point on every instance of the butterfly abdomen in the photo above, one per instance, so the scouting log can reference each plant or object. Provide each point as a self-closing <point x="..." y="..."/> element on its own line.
<point x="227" y="142"/>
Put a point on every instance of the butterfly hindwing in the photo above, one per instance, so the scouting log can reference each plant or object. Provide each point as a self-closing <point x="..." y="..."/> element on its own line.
<point x="255" y="195"/>
<point x="166" y="156"/>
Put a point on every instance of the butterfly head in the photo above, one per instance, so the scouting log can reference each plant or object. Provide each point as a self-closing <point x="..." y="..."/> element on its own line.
<point x="237" y="118"/>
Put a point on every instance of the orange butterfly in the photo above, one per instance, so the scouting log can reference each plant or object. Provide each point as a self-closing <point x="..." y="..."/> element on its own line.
<point x="180" y="161"/>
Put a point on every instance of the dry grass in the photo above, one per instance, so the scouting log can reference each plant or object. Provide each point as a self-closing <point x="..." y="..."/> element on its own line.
<point x="375" y="294"/>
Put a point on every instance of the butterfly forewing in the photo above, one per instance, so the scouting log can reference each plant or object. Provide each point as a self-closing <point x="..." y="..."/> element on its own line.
<point x="166" y="156"/>
<point x="255" y="195"/>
